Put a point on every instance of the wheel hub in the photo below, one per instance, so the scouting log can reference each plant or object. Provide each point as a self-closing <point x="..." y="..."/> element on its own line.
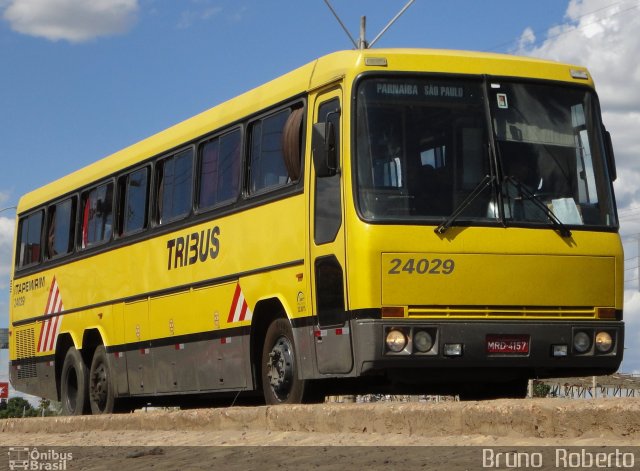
<point x="280" y="367"/>
<point x="99" y="386"/>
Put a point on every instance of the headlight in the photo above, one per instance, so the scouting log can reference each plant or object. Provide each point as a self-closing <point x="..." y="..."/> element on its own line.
<point x="423" y="341"/>
<point x="396" y="341"/>
<point x="604" y="342"/>
<point x="581" y="342"/>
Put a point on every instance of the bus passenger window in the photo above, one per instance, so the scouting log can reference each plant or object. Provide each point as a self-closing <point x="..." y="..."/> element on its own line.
<point x="133" y="190"/>
<point x="29" y="245"/>
<point x="97" y="215"/>
<point x="60" y="224"/>
<point x="219" y="176"/>
<point x="267" y="168"/>
<point x="173" y="186"/>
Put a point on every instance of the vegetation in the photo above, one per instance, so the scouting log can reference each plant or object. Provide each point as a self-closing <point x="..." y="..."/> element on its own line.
<point x="20" y="407"/>
<point x="541" y="389"/>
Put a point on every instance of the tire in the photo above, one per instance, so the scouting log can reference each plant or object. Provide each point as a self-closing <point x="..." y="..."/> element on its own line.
<point x="73" y="384"/>
<point x="101" y="387"/>
<point x="280" y="382"/>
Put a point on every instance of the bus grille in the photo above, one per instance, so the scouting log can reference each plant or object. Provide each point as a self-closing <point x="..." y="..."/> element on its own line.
<point x="26" y="351"/>
<point x="501" y="312"/>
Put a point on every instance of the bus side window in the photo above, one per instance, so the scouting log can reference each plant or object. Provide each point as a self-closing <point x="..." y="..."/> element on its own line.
<point x="133" y="201"/>
<point x="60" y="224"/>
<point x="97" y="215"/>
<point x="174" y="181"/>
<point x="268" y="137"/>
<point x="219" y="170"/>
<point x="29" y="240"/>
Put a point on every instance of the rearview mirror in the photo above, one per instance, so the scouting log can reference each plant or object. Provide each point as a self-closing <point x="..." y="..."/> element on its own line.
<point x="611" y="160"/>
<point x="324" y="148"/>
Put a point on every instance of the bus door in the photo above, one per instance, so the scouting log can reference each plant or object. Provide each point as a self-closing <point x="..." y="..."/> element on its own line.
<point x="332" y="333"/>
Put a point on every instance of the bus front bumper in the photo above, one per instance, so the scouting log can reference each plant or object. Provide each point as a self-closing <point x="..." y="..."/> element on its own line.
<point x="532" y="348"/>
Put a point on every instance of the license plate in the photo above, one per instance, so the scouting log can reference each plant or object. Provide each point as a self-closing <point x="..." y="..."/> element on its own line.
<point x="517" y="344"/>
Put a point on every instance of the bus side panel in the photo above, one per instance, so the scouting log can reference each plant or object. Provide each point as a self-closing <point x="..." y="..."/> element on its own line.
<point x="185" y="361"/>
<point x="139" y="362"/>
<point x="117" y="361"/>
<point x="27" y="372"/>
<point x="223" y="362"/>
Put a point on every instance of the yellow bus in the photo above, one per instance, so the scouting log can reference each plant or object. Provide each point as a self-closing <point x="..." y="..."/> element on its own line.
<point x="421" y="221"/>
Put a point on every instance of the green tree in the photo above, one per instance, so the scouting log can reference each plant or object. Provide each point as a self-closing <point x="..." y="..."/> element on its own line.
<point x="18" y="407"/>
<point x="47" y="408"/>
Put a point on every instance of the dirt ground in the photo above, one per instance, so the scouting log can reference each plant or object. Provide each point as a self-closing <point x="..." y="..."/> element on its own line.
<point x="449" y="435"/>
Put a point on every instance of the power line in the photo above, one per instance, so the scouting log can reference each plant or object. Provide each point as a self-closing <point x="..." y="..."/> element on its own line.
<point x="575" y="20"/>
<point x="631" y="209"/>
<point x="581" y="27"/>
<point x="631" y="237"/>
<point x="630" y="213"/>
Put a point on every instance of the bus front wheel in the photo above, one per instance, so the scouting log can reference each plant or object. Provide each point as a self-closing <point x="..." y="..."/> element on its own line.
<point x="101" y="394"/>
<point x="73" y="384"/>
<point x="280" y="382"/>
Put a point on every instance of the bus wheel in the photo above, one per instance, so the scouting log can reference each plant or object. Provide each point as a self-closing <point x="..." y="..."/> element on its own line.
<point x="73" y="384"/>
<point x="280" y="382"/>
<point x="101" y="395"/>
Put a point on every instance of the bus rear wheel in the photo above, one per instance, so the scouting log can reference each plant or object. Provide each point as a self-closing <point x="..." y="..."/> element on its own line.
<point x="73" y="384"/>
<point x="280" y="382"/>
<point x="101" y="394"/>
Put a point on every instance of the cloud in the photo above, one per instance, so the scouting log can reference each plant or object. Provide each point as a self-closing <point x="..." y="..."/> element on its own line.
<point x="527" y="39"/>
<point x="7" y="226"/>
<point x="632" y="340"/>
<point x="201" y="10"/>
<point x="4" y="197"/>
<point x="71" y="20"/>
<point x="603" y="36"/>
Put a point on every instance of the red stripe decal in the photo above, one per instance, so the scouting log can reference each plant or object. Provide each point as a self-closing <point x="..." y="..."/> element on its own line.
<point x="42" y="333"/>
<point x="234" y="303"/>
<point x="243" y="312"/>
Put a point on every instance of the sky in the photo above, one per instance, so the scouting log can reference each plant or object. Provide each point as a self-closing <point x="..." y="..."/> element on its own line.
<point x="81" y="79"/>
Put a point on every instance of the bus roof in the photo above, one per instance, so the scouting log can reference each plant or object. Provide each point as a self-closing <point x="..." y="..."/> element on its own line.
<point x="313" y="75"/>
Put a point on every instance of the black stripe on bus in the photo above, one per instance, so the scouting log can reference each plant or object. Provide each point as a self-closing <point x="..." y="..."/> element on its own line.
<point x="32" y="360"/>
<point x="301" y="322"/>
<point x="178" y="339"/>
<point x="154" y="343"/>
<point x="166" y="291"/>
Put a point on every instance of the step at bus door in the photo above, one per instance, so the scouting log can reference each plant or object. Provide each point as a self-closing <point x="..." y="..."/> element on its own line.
<point x="332" y="334"/>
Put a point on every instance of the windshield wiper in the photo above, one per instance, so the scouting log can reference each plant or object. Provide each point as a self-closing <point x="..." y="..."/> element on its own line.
<point x="529" y="195"/>
<point x="486" y="182"/>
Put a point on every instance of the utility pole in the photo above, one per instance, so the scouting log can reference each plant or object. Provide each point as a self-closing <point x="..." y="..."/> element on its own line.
<point x="362" y="42"/>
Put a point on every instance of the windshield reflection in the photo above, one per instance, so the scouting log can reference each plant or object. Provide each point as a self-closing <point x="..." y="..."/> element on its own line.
<point x="423" y="147"/>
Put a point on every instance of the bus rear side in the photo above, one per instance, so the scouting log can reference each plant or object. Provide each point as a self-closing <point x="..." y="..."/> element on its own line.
<point x="482" y="238"/>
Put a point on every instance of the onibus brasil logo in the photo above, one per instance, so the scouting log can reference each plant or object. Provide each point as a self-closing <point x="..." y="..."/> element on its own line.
<point x="41" y="460"/>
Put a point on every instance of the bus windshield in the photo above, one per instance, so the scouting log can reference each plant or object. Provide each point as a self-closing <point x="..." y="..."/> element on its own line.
<point x="423" y="145"/>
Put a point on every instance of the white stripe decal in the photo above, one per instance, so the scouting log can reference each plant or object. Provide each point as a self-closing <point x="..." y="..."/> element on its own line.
<point x="51" y="326"/>
<point x="239" y="308"/>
